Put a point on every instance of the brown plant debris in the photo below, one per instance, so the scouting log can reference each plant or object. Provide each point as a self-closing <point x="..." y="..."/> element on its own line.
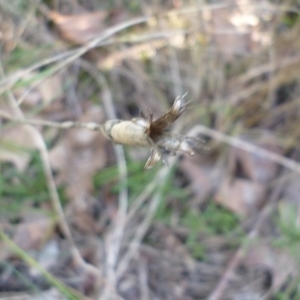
<point x="79" y="29"/>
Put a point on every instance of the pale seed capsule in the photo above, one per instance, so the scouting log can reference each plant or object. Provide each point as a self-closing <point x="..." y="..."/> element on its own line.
<point x="131" y="133"/>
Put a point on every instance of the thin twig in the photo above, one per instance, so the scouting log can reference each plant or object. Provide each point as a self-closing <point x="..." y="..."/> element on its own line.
<point x="70" y="56"/>
<point x="62" y="287"/>
<point x="115" y="237"/>
<point x="246" y="146"/>
<point x="266" y="68"/>
<point x="199" y="129"/>
<point x="143" y="227"/>
<point x="156" y="183"/>
<point x="42" y="148"/>
<point x="62" y="125"/>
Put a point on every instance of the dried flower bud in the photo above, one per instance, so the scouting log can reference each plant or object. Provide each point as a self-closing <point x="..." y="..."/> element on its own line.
<point x="152" y="134"/>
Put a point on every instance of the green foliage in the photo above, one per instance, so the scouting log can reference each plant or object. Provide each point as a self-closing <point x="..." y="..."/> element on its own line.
<point x="136" y="181"/>
<point x="290" y="19"/>
<point x="134" y="6"/>
<point x="213" y="220"/>
<point x="170" y="192"/>
<point x="23" y="56"/>
<point x="291" y="292"/>
<point x="281" y="296"/>
<point x="17" y="188"/>
<point x="287" y="223"/>
<point x="62" y="287"/>
<point x="195" y="224"/>
<point x="7" y="267"/>
<point x="289" y="229"/>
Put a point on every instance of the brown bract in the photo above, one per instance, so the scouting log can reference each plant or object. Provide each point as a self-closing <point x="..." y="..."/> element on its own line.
<point x="152" y="134"/>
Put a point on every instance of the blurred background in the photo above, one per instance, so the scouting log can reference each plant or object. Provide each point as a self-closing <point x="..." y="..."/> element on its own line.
<point x="81" y="219"/>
